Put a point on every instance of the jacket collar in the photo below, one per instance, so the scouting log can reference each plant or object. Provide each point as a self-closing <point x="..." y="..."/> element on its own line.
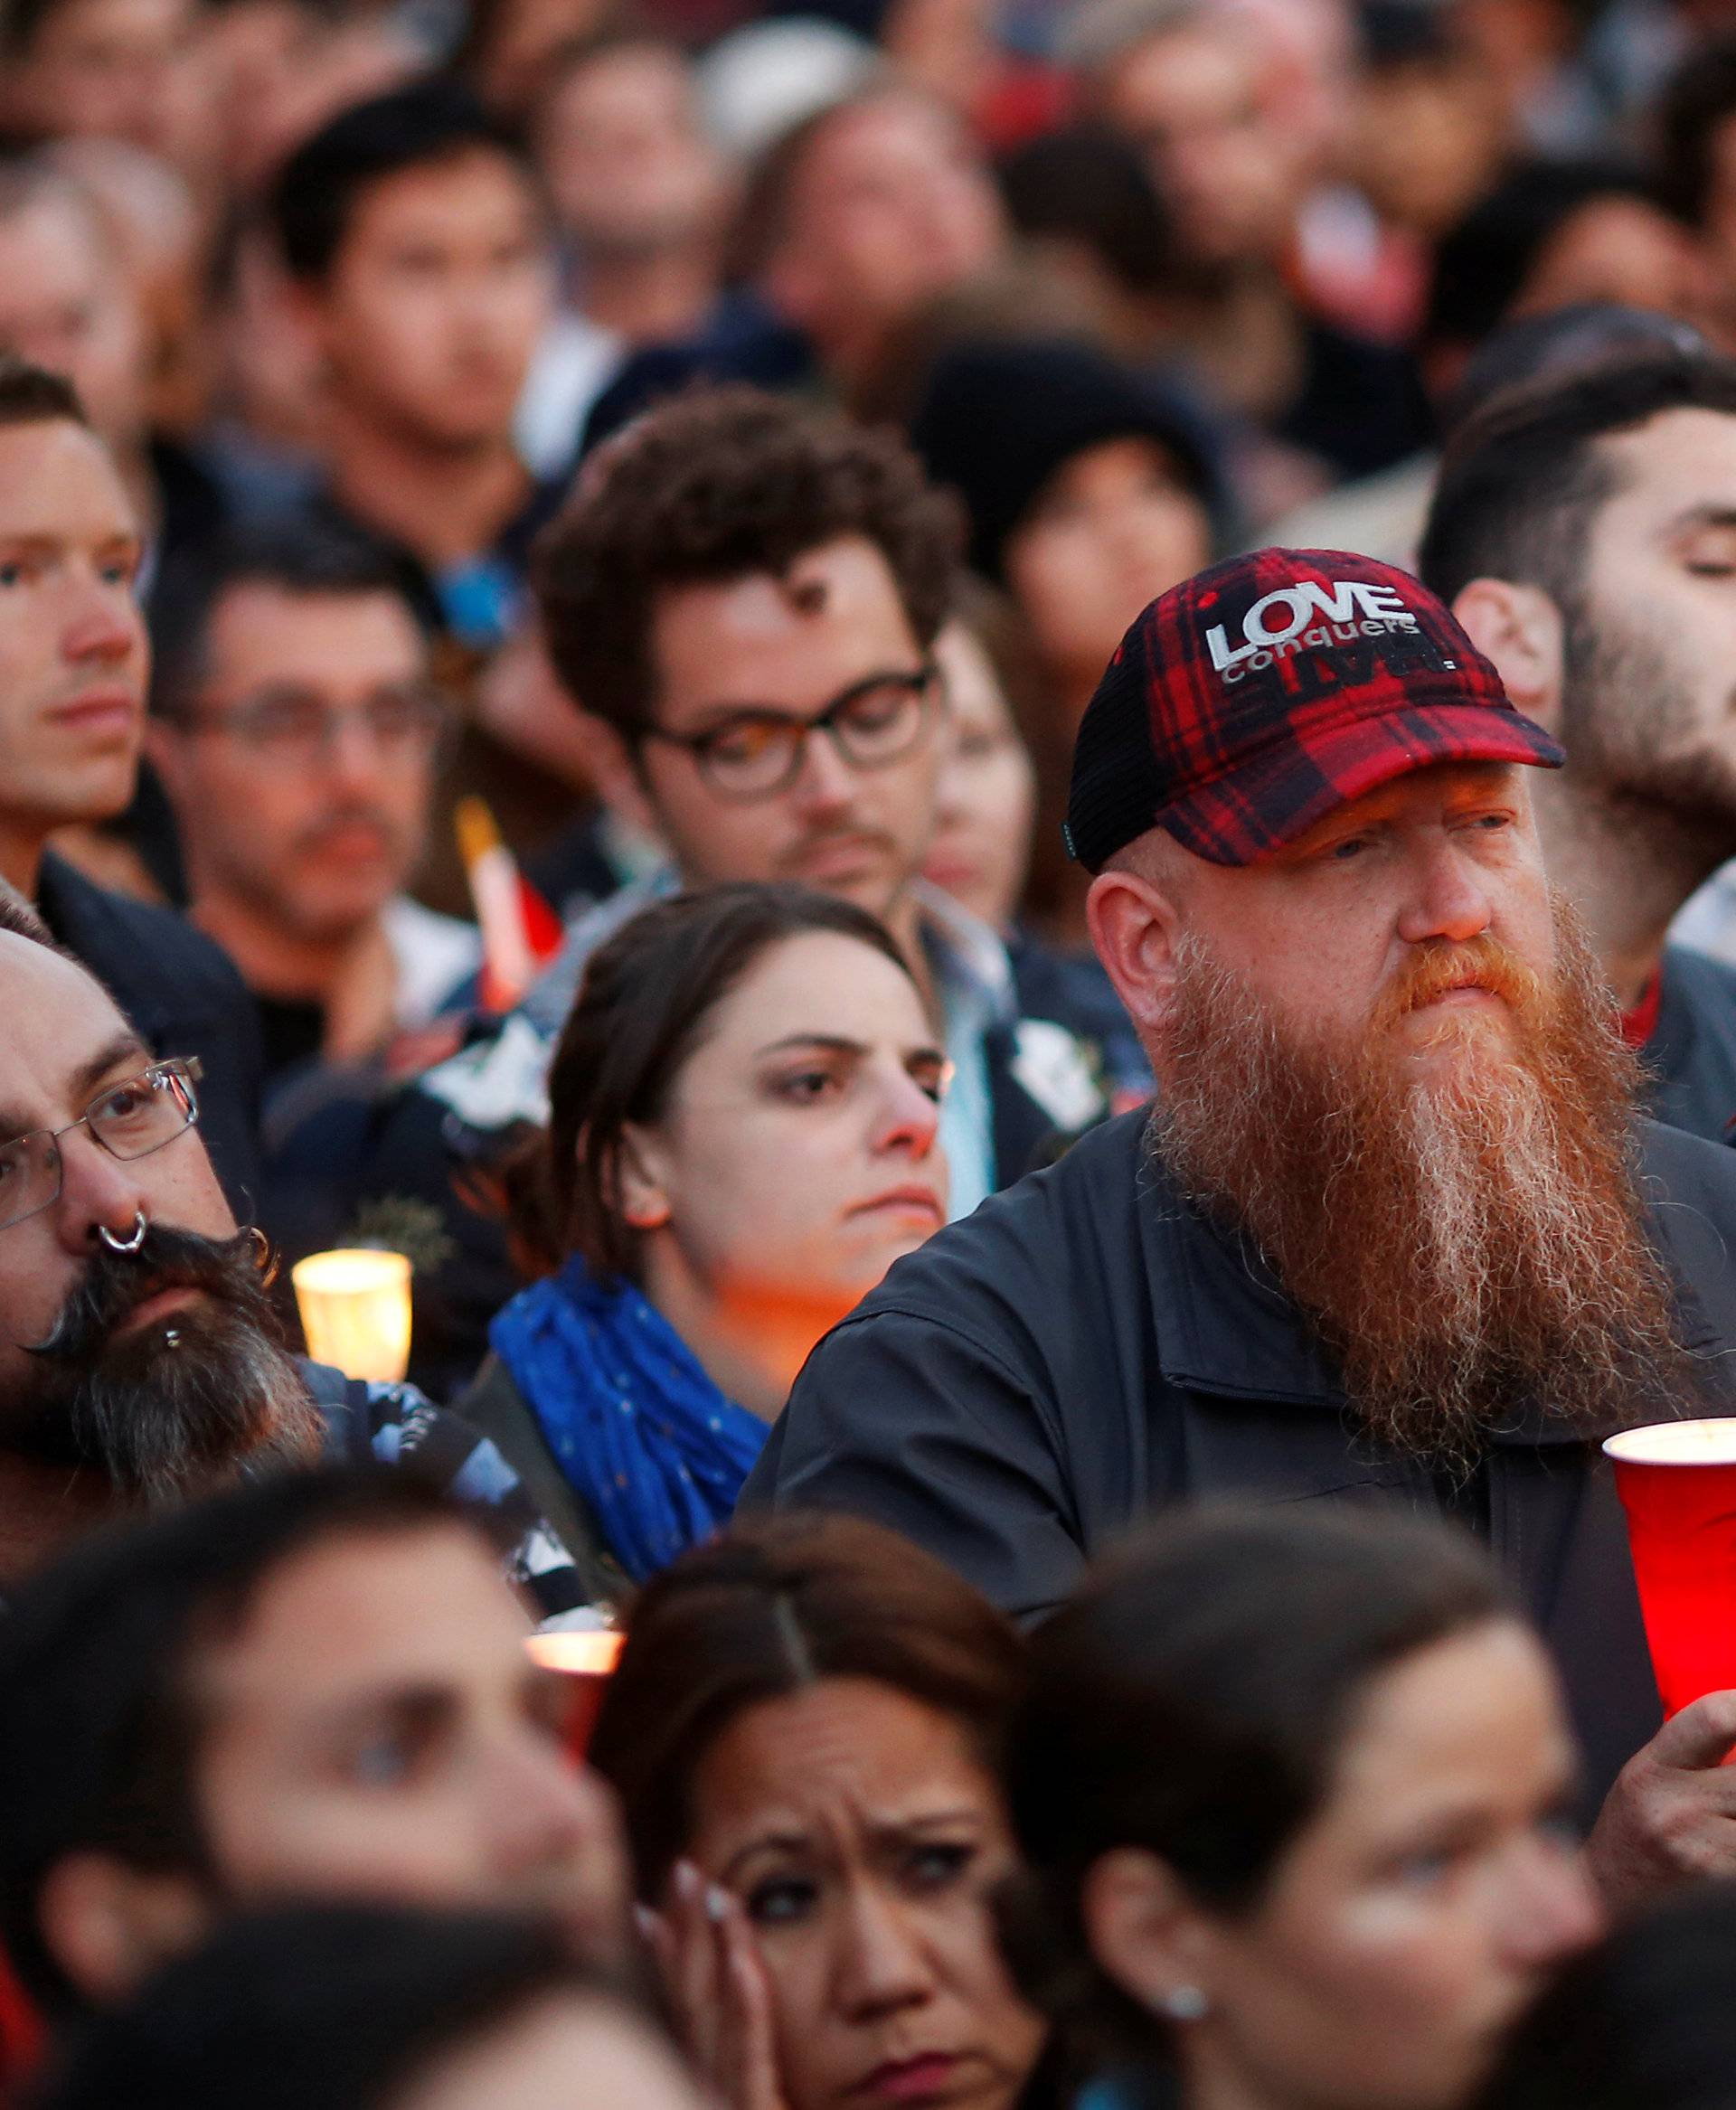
<point x="1223" y="1323"/>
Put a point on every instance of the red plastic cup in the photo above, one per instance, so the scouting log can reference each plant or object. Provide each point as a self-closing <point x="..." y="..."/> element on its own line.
<point x="587" y="1657"/>
<point x="1677" y="1482"/>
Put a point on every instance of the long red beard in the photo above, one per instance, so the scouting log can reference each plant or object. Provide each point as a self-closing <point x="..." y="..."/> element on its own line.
<point x="1466" y="1233"/>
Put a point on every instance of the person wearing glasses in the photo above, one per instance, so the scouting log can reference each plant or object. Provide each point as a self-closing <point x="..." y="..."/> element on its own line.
<point x="141" y="1364"/>
<point x="298" y="731"/>
<point x="744" y="593"/>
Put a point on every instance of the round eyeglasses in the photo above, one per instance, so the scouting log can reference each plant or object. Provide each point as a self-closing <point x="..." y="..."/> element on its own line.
<point x="129" y="1119"/>
<point x="755" y="754"/>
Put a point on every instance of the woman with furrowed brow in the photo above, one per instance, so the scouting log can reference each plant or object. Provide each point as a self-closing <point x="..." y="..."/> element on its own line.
<point x="742" y="1139"/>
<point x="805" y="1731"/>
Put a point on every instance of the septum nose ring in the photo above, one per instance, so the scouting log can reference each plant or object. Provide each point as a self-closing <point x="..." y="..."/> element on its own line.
<point x="129" y="1245"/>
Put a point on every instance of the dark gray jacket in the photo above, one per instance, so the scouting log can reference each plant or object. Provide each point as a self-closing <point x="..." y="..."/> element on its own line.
<point x="1086" y="1348"/>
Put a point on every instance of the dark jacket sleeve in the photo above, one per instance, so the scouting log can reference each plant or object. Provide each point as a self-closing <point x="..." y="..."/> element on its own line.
<point x="957" y="1455"/>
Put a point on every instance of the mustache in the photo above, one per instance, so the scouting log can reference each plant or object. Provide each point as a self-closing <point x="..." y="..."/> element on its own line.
<point x="824" y="836"/>
<point x="349" y="816"/>
<point x="1435" y="970"/>
<point x="236" y="1271"/>
<point x="166" y="1412"/>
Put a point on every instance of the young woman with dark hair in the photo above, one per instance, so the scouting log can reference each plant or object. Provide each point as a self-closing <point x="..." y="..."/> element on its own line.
<point x="806" y="1730"/>
<point x="1291" y="1790"/>
<point x="742" y="1114"/>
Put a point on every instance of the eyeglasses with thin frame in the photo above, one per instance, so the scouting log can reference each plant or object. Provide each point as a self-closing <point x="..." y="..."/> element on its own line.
<point x="755" y="754"/>
<point x="297" y="729"/>
<point x="129" y="1119"/>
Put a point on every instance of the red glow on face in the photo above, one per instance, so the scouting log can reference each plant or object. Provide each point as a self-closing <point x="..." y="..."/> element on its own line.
<point x="1677" y="1484"/>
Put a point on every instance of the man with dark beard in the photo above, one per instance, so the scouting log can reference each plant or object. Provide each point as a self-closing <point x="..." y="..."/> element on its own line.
<point x="1395" y="1231"/>
<point x="139" y="1359"/>
<point x="1584" y="533"/>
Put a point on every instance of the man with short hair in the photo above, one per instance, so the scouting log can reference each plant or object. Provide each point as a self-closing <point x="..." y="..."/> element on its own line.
<point x="313" y="1687"/>
<point x="1394" y="1230"/>
<point x="139" y="1359"/>
<point x="745" y="593"/>
<point x="415" y="236"/>
<point x="73" y="665"/>
<point x="1584" y="533"/>
<point x="296" y="728"/>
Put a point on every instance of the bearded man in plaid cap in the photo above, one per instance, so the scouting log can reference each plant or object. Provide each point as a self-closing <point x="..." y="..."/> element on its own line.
<point x="1394" y="1229"/>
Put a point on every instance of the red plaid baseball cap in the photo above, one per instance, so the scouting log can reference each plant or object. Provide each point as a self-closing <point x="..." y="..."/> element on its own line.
<point x="1246" y="703"/>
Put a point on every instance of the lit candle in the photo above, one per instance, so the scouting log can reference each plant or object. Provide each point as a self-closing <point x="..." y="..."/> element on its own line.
<point x="589" y="1652"/>
<point x="586" y="1655"/>
<point x="355" y="1306"/>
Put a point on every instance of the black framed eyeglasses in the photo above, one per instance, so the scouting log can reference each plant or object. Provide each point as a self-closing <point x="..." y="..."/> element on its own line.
<point x="755" y="754"/>
<point x="129" y="1119"/>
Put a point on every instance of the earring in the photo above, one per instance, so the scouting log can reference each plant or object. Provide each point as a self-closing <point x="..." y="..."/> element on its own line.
<point x="1183" y="2003"/>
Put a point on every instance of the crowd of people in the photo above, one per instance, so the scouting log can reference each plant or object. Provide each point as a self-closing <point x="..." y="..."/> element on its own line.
<point x="980" y="763"/>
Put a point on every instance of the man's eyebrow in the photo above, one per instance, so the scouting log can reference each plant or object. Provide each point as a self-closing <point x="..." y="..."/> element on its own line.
<point x="416" y="1706"/>
<point x="1711" y="515"/>
<point x="126" y="1046"/>
<point x="709" y="717"/>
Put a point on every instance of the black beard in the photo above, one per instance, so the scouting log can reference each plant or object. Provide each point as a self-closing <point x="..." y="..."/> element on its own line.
<point x="176" y="1407"/>
<point x="1630" y="717"/>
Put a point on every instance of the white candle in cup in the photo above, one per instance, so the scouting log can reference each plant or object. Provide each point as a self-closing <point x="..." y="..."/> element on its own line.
<point x="355" y="1306"/>
<point x="586" y="1654"/>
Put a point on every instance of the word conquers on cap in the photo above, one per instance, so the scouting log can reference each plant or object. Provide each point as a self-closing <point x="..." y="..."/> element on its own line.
<point x="1343" y="611"/>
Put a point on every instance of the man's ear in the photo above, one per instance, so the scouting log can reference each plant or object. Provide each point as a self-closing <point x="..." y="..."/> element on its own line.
<point x="108" y="1926"/>
<point x="1135" y="925"/>
<point x="1146" y="1932"/>
<point x="1520" y="628"/>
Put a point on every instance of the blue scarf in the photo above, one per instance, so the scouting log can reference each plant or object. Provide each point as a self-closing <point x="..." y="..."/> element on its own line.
<point x="653" y="1449"/>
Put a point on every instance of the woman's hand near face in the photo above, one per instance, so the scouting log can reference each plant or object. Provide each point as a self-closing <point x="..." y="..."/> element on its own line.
<point x="705" y="1951"/>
